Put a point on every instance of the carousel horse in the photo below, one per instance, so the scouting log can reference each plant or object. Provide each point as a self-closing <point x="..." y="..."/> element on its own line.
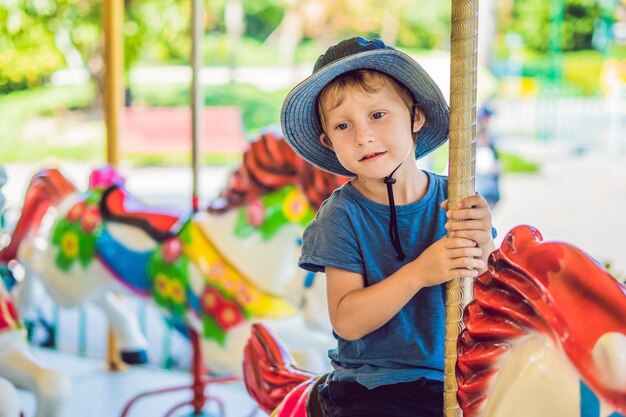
<point x="20" y="367"/>
<point x="545" y="336"/>
<point x="216" y="271"/>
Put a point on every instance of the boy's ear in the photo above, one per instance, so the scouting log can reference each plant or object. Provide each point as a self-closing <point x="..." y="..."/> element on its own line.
<point x="418" y="120"/>
<point x="325" y="140"/>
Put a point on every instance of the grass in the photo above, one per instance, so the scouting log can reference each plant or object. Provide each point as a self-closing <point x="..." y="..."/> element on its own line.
<point x="510" y="163"/>
<point x="515" y="164"/>
<point x="45" y="101"/>
<point x="18" y="108"/>
<point x="182" y="159"/>
<point x="15" y="151"/>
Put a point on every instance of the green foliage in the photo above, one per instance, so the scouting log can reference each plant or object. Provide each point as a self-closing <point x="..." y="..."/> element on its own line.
<point x="252" y="52"/>
<point x="618" y="52"/>
<point x="157" y="32"/>
<point x="27" y="49"/>
<point x="262" y="17"/>
<point x="32" y="33"/>
<point x="515" y="164"/>
<point x="579" y="24"/>
<point x="182" y="159"/>
<point x="38" y="37"/>
<point x="575" y="26"/>
<point x="425" y="25"/>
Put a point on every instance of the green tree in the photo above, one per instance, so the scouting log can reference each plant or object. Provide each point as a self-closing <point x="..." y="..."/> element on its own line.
<point x="532" y="20"/>
<point x="28" y="53"/>
<point x="40" y="37"/>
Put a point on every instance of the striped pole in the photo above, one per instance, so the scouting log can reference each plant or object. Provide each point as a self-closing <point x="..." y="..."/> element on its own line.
<point x="463" y="64"/>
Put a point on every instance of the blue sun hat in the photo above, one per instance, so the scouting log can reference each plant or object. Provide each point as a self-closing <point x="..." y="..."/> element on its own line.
<point x="299" y="118"/>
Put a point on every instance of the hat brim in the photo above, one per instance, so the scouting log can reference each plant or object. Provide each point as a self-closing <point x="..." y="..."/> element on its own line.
<point x="301" y="126"/>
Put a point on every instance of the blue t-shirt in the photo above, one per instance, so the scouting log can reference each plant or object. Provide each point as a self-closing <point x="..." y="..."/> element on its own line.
<point x="350" y="232"/>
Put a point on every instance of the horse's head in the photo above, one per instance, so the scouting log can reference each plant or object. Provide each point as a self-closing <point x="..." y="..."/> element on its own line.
<point x="269" y="164"/>
<point x="547" y="326"/>
<point x="46" y="189"/>
<point x="258" y="218"/>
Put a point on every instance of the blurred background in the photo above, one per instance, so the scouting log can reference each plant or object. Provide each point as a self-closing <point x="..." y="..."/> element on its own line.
<point x="557" y="66"/>
<point x="551" y="97"/>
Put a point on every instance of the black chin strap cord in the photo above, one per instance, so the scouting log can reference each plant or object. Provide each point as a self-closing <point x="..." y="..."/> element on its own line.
<point x="394" y="235"/>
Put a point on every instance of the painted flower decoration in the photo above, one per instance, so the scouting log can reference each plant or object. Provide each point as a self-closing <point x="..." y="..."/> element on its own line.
<point x="210" y="300"/>
<point x="295" y="206"/>
<point x="169" y="271"/>
<point x="255" y="213"/>
<point x="90" y="219"/>
<point x="229" y="316"/>
<point x="281" y="207"/>
<point x="76" y="211"/>
<point x="75" y="234"/>
<point x="169" y="293"/>
<point x="219" y="314"/>
<point x="70" y="242"/>
<point x="245" y="295"/>
<point x="172" y="249"/>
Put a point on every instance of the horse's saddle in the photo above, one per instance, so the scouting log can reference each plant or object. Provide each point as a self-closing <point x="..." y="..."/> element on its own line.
<point x="118" y="205"/>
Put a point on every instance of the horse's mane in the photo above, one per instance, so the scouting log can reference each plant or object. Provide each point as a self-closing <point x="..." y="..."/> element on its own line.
<point x="548" y="287"/>
<point x="269" y="164"/>
<point x="46" y="188"/>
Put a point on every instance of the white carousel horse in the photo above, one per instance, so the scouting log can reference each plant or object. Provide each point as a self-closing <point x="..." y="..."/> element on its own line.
<point x="545" y="337"/>
<point x="216" y="271"/>
<point x="20" y="367"/>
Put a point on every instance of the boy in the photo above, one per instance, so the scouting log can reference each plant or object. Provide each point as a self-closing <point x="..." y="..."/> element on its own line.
<point x="367" y="112"/>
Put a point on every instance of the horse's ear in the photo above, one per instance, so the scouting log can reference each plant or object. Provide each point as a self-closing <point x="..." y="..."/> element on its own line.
<point x="520" y="237"/>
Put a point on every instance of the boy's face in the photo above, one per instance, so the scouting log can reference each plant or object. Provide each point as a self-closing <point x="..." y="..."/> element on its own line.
<point x="370" y="133"/>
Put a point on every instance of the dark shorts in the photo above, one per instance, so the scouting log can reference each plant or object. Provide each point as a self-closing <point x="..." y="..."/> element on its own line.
<point x="421" y="398"/>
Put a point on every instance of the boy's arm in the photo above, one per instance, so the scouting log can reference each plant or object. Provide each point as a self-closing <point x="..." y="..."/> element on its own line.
<point x="356" y="310"/>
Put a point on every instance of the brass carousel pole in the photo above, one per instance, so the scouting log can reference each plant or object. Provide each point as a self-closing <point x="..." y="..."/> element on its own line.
<point x="197" y="96"/>
<point x="463" y="51"/>
<point x="112" y="22"/>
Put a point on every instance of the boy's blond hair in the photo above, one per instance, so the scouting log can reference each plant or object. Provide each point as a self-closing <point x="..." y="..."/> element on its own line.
<point x="365" y="81"/>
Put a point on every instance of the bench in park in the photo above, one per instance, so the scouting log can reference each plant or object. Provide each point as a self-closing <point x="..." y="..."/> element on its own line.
<point x="157" y="130"/>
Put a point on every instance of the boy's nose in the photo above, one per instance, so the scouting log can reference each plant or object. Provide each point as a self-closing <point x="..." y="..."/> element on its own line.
<point x="363" y="134"/>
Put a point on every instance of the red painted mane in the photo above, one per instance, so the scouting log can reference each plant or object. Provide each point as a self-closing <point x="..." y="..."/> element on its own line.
<point x="47" y="188"/>
<point x="269" y="164"/>
<point x="549" y="287"/>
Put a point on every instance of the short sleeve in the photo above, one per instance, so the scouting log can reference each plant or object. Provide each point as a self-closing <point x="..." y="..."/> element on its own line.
<point x="326" y="243"/>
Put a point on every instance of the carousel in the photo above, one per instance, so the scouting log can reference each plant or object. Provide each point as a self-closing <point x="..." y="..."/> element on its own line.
<point x="541" y="333"/>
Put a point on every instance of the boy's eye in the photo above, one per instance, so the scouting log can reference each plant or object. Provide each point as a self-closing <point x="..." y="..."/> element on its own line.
<point x="341" y="126"/>
<point x="378" y="115"/>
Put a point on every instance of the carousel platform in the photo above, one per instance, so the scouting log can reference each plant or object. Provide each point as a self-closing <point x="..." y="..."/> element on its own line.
<point x="97" y="392"/>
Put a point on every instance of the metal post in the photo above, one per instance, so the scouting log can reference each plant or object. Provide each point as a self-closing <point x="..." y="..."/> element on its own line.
<point x="197" y="95"/>
<point x="112" y="21"/>
<point x="463" y="70"/>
